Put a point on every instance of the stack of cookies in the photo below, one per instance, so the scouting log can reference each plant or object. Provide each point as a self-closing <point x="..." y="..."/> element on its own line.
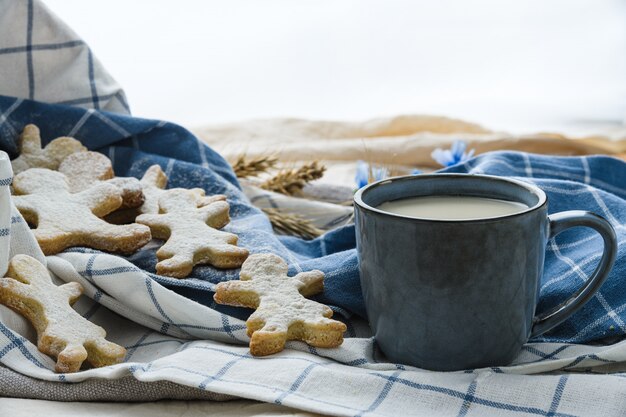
<point x="71" y="197"/>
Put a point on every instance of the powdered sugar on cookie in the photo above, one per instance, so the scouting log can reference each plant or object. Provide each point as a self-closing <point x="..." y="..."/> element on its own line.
<point x="191" y="233"/>
<point x="33" y="156"/>
<point x="84" y="169"/>
<point x="62" y="219"/>
<point x="61" y="332"/>
<point x="282" y="313"/>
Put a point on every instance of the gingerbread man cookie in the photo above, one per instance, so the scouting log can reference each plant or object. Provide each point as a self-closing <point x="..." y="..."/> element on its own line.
<point x="33" y="156"/>
<point x="62" y="219"/>
<point x="61" y="332"/>
<point x="84" y="169"/>
<point x="191" y="233"/>
<point x="282" y="313"/>
<point x="154" y="181"/>
<point x="153" y="185"/>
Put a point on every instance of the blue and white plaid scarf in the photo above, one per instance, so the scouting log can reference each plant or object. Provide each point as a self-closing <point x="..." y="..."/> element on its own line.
<point x="171" y="328"/>
<point x="174" y="331"/>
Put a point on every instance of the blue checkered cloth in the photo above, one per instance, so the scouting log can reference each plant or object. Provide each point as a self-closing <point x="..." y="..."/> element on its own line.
<point x="588" y="183"/>
<point x="43" y="59"/>
<point x="201" y="346"/>
<point x="170" y="337"/>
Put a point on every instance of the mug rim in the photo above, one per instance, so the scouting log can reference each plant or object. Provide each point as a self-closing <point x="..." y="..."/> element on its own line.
<point x="542" y="199"/>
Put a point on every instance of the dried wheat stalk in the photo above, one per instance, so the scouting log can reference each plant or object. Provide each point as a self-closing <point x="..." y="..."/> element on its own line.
<point x="292" y="181"/>
<point x="245" y="168"/>
<point x="292" y="224"/>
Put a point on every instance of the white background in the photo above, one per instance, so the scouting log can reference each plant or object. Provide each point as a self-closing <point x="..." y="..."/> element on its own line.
<point x="520" y="65"/>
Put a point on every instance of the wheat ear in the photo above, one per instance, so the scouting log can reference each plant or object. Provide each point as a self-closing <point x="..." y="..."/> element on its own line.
<point x="292" y="224"/>
<point x="245" y="168"/>
<point x="292" y="181"/>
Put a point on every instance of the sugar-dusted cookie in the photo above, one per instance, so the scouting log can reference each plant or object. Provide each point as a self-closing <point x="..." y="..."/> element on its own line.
<point x="84" y="169"/>
<point x="132" y="192"/>
<point x="32" y="156"/>
<point x="153" y="185"/>
<point x="154" y="182"/>
<point x="61" y="332"/>
<point x="191" y="233"/>
<point x="62" y="219"/>
<point x="282" y="313"/>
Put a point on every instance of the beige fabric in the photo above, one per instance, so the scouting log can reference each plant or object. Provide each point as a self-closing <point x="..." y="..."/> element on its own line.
<point x="239" y="408"/>
<point x="404" y="140"/>
<point x="126" y="388"/>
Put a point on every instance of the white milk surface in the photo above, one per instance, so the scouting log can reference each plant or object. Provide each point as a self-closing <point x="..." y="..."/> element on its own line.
<point x="452" y="207"/>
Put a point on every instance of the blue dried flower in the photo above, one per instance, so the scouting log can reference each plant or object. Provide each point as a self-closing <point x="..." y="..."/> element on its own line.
<point x="366" y="174"/>
<point x="454" y="155"/>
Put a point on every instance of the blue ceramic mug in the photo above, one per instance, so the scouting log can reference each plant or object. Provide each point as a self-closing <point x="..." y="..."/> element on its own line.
<point x="460" y="294"/>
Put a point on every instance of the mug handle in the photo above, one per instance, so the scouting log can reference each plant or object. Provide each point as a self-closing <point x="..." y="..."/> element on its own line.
<point x="558" y="223"/>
